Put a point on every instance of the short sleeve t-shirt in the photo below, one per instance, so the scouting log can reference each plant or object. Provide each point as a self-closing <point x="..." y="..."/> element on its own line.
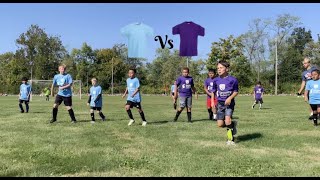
<point x="224" y="87"/>
<point x="25" y="90"/>
<point x="185" y="85"/>
<point x="314" y="91"/>
<point x="137" y="34"/>
<point x="258" y="91"/>
<point x="132" y="85"/>
<point x="62" y="80"/>
<point x="189" y="32"/>
<point x="209" y="85"/>
<point x="94" y="93"/>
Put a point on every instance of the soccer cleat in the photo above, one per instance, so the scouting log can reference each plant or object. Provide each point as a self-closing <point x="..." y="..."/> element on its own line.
<point x="92" y="122"/>
<point x="229" y="135"/>
<point x="252" y="106"/>
<point x="144" y="123"/>
<point x="130" y="122"/>
<point x="175" y="119"/>
<point x="73" y="121"/>
<point x="234" y="131"/>
<point x="175" y="106"/>
<point x="214" y="117"/>
<point x="230" y="142"/>
<point x="53" y="120"/>
<point x="311" y="117"/>
<point x="104" y="119"/>
<point x="22" y="111"/>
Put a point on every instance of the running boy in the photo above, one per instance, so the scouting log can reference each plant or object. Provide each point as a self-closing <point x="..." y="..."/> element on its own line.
<point x="64" y="81"/>
<point x="225" y="87"/>
<point x="186" y="87"/>
<point x="134" y="98"/>
<point x="312" y="92"/>
<point x="95" y="100"/>
<point x="208" y="84"/>
<point x="258" y="94"/>
<point x="24" y="94"/>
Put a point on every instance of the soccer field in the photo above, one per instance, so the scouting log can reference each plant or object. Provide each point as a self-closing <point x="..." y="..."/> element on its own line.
<point x="278" y="140"/>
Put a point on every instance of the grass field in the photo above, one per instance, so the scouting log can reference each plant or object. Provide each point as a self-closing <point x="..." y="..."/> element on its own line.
<point x="278" y="140"/>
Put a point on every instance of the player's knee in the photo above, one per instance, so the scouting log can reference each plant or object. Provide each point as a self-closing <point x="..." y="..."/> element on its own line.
<point x="68" y="107"/>
<point x="220" y="124"/>
<point x="91" y="110"/>
<point x="127" y="108"/>
<point x="140" y="110"/>
<point x="55" y="106"/>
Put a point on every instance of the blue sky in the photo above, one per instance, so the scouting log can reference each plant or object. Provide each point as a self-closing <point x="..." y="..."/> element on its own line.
<point x="99" y="24"/>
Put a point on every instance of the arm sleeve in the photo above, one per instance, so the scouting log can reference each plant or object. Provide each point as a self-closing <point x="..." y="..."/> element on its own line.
<point x="89" y="100"/>
<point x="175" y="30"/>
<point x="97" y="99"/>
<point x="201" y="31"/>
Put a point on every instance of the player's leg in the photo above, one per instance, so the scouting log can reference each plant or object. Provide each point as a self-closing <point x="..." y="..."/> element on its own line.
<point x="92" y="114"/>
<point x="128" y="107"/>
<point x="260" y="103"/>
<point x="214" y="109"/>
<point x="231" y="125"/>
<point x="209" y="108"/>
<point x="68" y="103"/>
<point x="314" y="108"/>
<point x="318" y="113"/>
<point x="58" y="100"/>
<point x="174" y="101"/>
<point x="220" y="114"/>
<point x="144" y="121"/>
<point x="254" y="103"/>
<point x="103" y="117"/>
<point x="182" y="101"/>
<point x="20" y="106"/>
<point x="27" y="106"/>
<point x="189" y="106"/>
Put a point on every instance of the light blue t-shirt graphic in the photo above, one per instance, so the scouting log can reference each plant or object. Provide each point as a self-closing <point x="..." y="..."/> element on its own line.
<point x="25" y="90"/>
<point x="314" y="91"/>
<point x="132" y="85"/>
<point x="172" y="88"/>
<point x="62" y="80"/>
<point x="94" y="92"/>
<point x="137" y="34"/>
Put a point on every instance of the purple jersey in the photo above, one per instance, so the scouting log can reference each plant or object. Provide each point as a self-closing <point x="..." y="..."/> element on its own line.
<point x="185" y="85"/>
<point x="189" y="32"/>
<point x="208" y="83"/>
<point x="224" y="87"/>
<point x="258" y="92"/>
<point x="306" y="75"/>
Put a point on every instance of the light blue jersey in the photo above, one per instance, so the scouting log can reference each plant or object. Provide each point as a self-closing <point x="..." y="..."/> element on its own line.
<point x="62" y="80"/>
<point x="25" y="90"/>
<point x="94" y="92"/>
<point x="137" y="34"/>
<point x="314" y="91"/>
<point x="132" y="85"/>
<point x="172" y="88"/>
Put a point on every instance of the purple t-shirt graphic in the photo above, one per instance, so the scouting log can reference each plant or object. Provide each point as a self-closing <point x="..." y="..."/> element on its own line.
<point x="258" y="91"/>
<point x="185" y="85"/>
<point x="209" y="84"/>
<point x="189" y="32"/>
<point x="224" y="87"/>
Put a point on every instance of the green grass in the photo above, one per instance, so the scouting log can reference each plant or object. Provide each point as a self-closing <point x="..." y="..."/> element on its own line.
<point x="278" y="140"/>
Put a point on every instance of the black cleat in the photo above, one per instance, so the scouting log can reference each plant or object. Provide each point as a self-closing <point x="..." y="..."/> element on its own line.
<point x="175" y="106"/>
<point x="74" y="121"/>
<point x="53" y="120"/>
<point x="311" y="117"/>
<point x="22" y="111"/>
<point x="189" y="121"/>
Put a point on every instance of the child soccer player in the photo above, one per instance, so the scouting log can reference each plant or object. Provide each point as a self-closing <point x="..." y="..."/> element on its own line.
<point x="24" y="94"/>
<point x="257" y="95"/>
<point x="312" y="93"/>
<point x="208" y="84"/>
<point x="64" y="82"/>
<point x="172" y="95"/>
<point x="95" y="100"/>
<point x="186" y="87"/>
<point x="225" y="87"/>
<point x="134" y="98"/>
<point x="47" y="93"/>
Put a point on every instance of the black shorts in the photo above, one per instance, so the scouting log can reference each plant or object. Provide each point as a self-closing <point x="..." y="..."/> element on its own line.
<point x="95" y="108"/>
<point x="314" y="107"/>
<point x="259" y="100"/>
<point x="25" y="101"/>
<point x="134" y="104"/>
<point x="66" y="100"/>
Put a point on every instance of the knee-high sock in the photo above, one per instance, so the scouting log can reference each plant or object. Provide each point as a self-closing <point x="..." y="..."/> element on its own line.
<point x="54" y="113"/>
<point x="71" y="113"/>
<point x="129" y="114"/>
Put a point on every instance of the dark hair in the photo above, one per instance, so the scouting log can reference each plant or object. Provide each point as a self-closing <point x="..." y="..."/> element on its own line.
<point x="133" y="69"/>
<point x="224" y="63"/>
<point x="24" y="79"/>
<point x="259" y="82"/>
<point x="316" y="70"/>
<point x="185" y="68"/>
<point x="212" y="70"/>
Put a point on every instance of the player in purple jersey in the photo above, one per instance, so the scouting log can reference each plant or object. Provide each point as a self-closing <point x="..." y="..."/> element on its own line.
<point x="225" y="87"/>
<point x="211" y="105"/>
<point x="306" y="76"/>
<point x="258" y="94"/>
<point x="185" y="86"/>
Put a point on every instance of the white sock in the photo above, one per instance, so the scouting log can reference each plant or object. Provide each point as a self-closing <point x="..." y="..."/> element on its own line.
<point x="214" y="116"/>
<point x="311" y="113"/>
<point x="260" y="106"/>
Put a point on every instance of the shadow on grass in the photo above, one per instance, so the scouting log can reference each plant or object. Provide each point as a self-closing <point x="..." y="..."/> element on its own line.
<point x="248" y="137"/>
<point x="36" y="112"/>
<point x="266" y="108"/>
<point x="158" y="122"/>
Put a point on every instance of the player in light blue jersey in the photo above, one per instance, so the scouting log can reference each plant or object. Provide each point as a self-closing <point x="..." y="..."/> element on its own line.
<point x="173" y="86"/>
<point x="95" y="100"/>
<point x="64" y="82"/>
<point x="134" y="98"/>
<point x="24" y="94"/>
<point x="312" y="93"/>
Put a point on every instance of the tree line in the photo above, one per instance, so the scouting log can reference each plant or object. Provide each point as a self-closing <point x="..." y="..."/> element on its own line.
<point x="252" y="57"/>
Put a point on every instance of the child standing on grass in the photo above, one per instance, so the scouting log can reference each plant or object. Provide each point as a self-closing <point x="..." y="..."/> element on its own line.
<point x="95" y="100"/>
<point x="312" y="94"/>
<point x="134" y="98"/>
<point x="258" y="94"/>
<point x="172" y="95"/>
<point x="225" y="88"/>
<point x="211" y="106"/>
<point x="24" y="94"/>
<point x="186" y="87"/>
